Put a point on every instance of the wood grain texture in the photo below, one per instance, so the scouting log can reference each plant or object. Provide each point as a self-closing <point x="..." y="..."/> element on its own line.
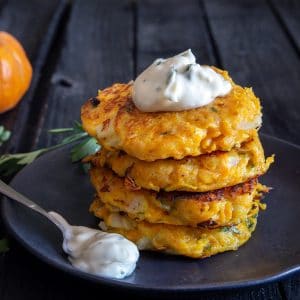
<point x="28" y="276"/>
<point x="166" y="28"/>
<point x="97" y="51"/>
<point x="100" y="42"/>
<point x="35" y="32"/>
<point x="291" y="287"/>
<point x="257" y="53"/>
<point x="288" y="12"/>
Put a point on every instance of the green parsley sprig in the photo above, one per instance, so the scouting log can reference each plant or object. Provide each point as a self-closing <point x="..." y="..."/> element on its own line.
<point x="4" y="247"/>
<point x="4" y="135"/>
<point x="12" y="163"/>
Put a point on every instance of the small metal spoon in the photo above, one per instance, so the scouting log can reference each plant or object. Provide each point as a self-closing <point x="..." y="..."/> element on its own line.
<point x="9" y="192"/>
<point x="91" y="250"/>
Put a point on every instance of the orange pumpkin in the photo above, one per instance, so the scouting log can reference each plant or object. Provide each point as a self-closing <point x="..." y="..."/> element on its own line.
<point x="15" y="72"/>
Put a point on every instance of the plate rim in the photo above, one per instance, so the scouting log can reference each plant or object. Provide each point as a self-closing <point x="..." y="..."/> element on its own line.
<point x="244" y="283"/>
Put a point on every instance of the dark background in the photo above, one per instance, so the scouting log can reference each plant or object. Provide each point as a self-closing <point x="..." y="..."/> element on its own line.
<point x="77" y="47"/>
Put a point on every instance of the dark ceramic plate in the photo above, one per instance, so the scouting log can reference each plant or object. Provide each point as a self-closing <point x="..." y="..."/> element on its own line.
<point x="272" y="253"/>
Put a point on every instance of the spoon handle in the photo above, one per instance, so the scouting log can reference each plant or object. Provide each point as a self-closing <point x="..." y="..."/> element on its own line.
<point x="13" y="194"/>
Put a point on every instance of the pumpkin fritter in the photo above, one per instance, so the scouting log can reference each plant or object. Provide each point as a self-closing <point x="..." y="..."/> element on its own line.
<point x="216" y="208"/>
<point x="195" y="174"/>
<point x="225" y="123"/>
<point x="182" y="240"/>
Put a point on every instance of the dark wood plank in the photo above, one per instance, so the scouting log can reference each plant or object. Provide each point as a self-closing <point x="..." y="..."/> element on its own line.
<point x="254" y="48"/>
<point x="97" y="52"/>
<point x="26" y="277"/>
<point x="28" y="22"/>
<point x="165" y="28"/>
<point x="256" y="293"/>
<point x="29" y="278"/>
<point x="288" y="13"/>
<point x="251" y="64"/>
<point x="97" y="25"/>
<point x="258" y="52"/>
<point x="291" y="287"/>
<point x="34" y="23"/>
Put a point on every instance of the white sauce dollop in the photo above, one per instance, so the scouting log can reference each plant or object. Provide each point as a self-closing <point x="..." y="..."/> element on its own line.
<point x="97" y="252"/>
<point x="177" y="83"/>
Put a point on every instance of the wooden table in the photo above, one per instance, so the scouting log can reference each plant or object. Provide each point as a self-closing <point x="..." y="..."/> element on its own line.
<point x="77" y="47"/>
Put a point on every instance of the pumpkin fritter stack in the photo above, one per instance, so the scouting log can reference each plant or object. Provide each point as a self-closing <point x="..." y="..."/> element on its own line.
<point x="180" y="182"/>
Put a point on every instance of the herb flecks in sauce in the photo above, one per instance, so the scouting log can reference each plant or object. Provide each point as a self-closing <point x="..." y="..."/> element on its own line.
<point x="183" y="83"/>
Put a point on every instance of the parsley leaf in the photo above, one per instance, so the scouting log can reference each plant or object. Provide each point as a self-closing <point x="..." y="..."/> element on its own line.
<point x="4" y="135"/>
<point x="233" y="229"/>
<point x="85" y="148"/>
<point x="12" y="163"/>
<point x="4" y="247"/>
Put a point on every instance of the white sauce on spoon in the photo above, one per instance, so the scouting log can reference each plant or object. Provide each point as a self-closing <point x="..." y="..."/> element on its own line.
<point x="176" y="84"/>
<point x="97" y="252"/>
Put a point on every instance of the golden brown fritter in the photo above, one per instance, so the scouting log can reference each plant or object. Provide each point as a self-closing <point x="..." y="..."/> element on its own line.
<point x="217" y="208"/>
<point x="183" y="240"/>
<point x="225" y="123"/>
<point x="195" y="174"/>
